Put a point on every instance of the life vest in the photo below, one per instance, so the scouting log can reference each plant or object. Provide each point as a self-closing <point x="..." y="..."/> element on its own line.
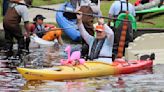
<point x="52" y="34"/>
<point x="33" y="26"/>
<point x="96" y="48"/>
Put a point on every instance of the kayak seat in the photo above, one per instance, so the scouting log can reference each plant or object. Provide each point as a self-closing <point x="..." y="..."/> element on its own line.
<point x="130" y="18"/>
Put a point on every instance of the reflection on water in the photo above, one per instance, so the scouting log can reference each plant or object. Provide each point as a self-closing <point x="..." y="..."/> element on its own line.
<point x="142" y="81"/>
<point x="139" y="82"/>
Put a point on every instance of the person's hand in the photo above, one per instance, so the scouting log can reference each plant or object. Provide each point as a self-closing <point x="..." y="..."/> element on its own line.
<point x="47" y="28"/>
<point x="79" y="17"/>
<point x="100" y="21"/>
<point x="26" y="34"/>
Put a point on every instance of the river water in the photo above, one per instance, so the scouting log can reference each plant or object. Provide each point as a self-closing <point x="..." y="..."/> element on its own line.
<point x="151" y="80"/>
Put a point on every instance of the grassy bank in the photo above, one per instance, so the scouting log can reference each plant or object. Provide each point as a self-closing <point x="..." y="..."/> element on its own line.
<point x="0" y="10"/>
<point x="46" y="2"/>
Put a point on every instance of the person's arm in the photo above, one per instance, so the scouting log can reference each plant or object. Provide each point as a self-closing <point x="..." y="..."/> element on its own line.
<point x="23" y="12"/>
<point x="85" y="35"/>
<point x="133" y="10"/>
<point x="109" y="32"/>
<point x="27" y="28"/>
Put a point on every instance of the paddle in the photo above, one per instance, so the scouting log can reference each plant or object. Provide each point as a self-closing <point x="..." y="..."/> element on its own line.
<point x="94" y="15"/>
<point x="52" y="9"/>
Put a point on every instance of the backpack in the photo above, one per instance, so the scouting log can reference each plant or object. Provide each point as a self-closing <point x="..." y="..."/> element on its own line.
<point x="117" y="35"/>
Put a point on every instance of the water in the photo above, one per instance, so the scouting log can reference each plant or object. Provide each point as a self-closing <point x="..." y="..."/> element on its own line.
<point x="151" y="80"/>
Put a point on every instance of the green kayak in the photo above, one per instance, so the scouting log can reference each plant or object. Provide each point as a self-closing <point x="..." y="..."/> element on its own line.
<point x="130" y="18"/>
<point x="151" y="10"/>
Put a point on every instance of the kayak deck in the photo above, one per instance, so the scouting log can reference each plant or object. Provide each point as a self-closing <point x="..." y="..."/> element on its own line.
<point x="89" y="69"/>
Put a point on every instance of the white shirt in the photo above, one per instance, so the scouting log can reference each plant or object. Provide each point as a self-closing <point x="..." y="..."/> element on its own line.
<point x="116" y="8"/>
<point x="22" y="11"/>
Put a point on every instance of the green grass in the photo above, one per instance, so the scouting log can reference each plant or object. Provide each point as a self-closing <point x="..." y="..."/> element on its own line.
<point x="46" y="2"/>
<point x="158" y="21"/>
<point x="105" y="6"/>
<point x="1" y="14"/>
<point x="1" y="10"/>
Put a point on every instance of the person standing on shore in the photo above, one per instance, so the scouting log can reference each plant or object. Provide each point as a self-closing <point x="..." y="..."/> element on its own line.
<point x="11" y="24"/>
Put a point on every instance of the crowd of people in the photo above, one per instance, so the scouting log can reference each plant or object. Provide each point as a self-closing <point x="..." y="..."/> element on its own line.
<point x="97" y="47"/>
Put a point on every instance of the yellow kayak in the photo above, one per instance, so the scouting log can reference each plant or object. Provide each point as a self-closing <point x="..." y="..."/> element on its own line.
<point x="89" y="69"/>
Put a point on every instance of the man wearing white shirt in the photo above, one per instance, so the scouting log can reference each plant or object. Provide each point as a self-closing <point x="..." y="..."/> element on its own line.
<point x="121" y="6"/>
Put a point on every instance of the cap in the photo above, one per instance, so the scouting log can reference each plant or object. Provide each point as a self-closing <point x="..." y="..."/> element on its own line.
<point x="38" y="17"/>
<point x="100" y="28"/>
